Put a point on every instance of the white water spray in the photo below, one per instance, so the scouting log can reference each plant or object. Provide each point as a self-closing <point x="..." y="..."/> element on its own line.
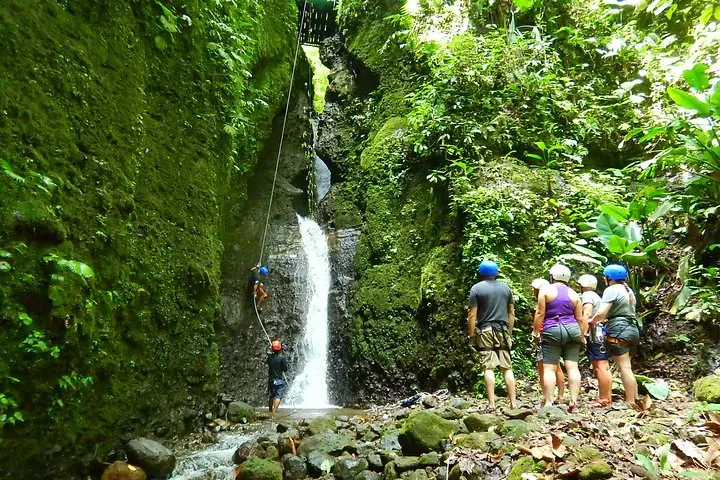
<point x="214" y="461"/>
<point x="309" y="389"/>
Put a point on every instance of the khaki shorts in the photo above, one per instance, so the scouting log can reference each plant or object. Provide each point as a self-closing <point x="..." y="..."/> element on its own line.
<point x="494" y="348"/>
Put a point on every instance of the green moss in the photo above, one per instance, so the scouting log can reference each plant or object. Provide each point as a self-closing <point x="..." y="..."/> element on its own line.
<point x="707" y="389"/>
<point x="521" y="466"/>
<point x="320" y="77"/>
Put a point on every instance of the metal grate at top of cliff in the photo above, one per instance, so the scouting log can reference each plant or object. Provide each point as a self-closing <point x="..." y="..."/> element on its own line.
<point x="319" y="21"/>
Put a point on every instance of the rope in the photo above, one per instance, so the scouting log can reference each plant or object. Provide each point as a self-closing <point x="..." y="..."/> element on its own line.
<point x="257" y="314"/>
<point x="282" y="134"/>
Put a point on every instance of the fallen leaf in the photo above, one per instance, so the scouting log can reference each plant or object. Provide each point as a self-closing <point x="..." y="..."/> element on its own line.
<point x="690" y="451"/>
<point x="712" y="455"/>
<point x="498" y="456"/>
<point x="643" y="404"/>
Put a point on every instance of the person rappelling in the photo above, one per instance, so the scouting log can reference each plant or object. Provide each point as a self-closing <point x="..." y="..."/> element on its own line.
<point x="258" y="280"/>
<point x="277" y="366"/>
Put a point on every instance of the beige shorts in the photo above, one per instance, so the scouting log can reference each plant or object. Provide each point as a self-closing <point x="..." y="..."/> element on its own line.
<point x="494" y="348"/>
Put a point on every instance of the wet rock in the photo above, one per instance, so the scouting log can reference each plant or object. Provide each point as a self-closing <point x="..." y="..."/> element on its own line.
<point x="294" y="467"/>
<point x="321" y="424"/>
<point x="346" y="468"/>
<point x="320" y="463"/>
<point x="424" y="432"/>
<point x="481" y="422"/>
<point x="272" y="453"/>
<point x="246" y="451"/>
<point x="390" y="440"/>
<point x="414" y="475"/>
<point x="517" y="429"/>
<point x="260" y="469"/>
<point x="283" y="427"/>
<point x="123" y="471"/>
<point x="596" y="471"/>
<point x="209" y="437"/>
<point x="375" y="461"/>
<point x="430" y="401"/>
<point x="518" y="413"/>
<point x="286" y="444"/>
<point x="328" y="442"/>
<point x="239" y="412"/>
<point x="707" y="389"/>
<point x="367" y="475"/>
<point x="475" y="440"/>
<point x="154" y="458"/>
<point x="521" y="466"/>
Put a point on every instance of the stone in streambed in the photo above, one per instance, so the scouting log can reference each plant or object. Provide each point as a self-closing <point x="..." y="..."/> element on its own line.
<point x="260" y="469"/>
<point x="596" y="471"/>
<point x="272" y="453"/>
<point x="585" y="454"/>
<point x="390" y="472"/>
<point x="521" y="466"/>
<point x="389" y="440"/>
<point x="517" y="429"/>
<point x="246" y="451"/>
<point x="367" y="475"/>
<point x="707" y="389"/>
<point x="123" y="471"/>
<point x="294" y="467"/>
<point x="321" y="424"/>
<point x="448" y="413"/>
<point x="154" y="458"/>
<point x="475" y="440"/>
<point x="552" y="414"/>
<point x="328" y="442"/>
<point x="320" y="463"/>
<point x="414" y="475"/>
<point x="481" y="422"/>
<point x="518" y="413"/>
<point x="346" y="468"/>
<point x="375" y="461"/>
<point x="240" y="412"/>
<point x="423" y="432"/>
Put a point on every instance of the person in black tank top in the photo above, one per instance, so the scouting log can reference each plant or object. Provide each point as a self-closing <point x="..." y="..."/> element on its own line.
<point x="277" y="366"/>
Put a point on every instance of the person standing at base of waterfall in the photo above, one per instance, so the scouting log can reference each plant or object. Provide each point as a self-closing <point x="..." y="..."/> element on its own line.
<point x="559" y="319"/>
<point x="490" y="321"/>
<point x="621" y="332"/>
<point x="257" y="283"/>
<point x="277" y="366"/>
<point x="596" y="351"/>
<point x="537" y="284"/>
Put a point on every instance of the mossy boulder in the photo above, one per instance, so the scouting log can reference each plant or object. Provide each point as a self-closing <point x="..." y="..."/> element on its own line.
<point x="414" y="475"/>
<point x="521" y="466"/>
<point x="475" y="440"/>
<point x="585" y="454"/>
<point x="240" y="412"/>
<point x="423" y="432"/>
<point x="327" y="442"/>
<point x="596" y="470"/>
<point x="368" y="475"/>
<point x="321" y="424"/>
<point x="154" y="458"/>
<point x="517" y="429"/>
<point x="260" y="469"/>
<point x="123" y="471"/>
<point x="481" y="422"/>
<point x="707" y="389"/>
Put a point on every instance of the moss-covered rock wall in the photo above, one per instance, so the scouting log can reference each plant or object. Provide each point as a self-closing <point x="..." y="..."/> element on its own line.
<point x="127" y="130"/>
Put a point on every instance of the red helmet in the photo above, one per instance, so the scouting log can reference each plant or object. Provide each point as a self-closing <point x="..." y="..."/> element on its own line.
<point x="276" y="346"/>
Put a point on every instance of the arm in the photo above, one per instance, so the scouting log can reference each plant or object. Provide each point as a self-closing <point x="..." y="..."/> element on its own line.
<point x="539" y="313"/>
<point x="580" y="317"/>
<point x="471" y="319"/>
<point x="601" y="314"/>
<point x="511" y="317"/>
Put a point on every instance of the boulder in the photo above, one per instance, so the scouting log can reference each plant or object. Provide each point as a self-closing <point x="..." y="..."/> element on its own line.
<point x="596" y="470"/>
<point x="430" y="401"/>
<point x="375" y="461"/>
<point x="321" y="424"/>
<point x="431" y="459"/>
<point x="517" y="429"/>
<point x="327" y="442"/>
<point x="286" y="444"/>
<point x="475" y="440"/>
<point x="481" y="422"/>
<point x="415" y="475"/>
<point x="521" y="466"/>
<point x="294" y="467"/>
<point x="367" y="475"/>
<point x="247" y="450"/>
<point x="707" y="389"/>
<point x="260" y="469"/>
<point x="239" y="412"/>
<point x="272" y="453"/>
<point x="389" y="440"/>
<point x="424" y="432"/>
<point x="518" y="413"/>
<point x="123" y="471"/>
<point x="461" y="403"/>
<point x="320" y="463"/>
<point x="585" y="454"/>
<point x="448" y="413"/>
<point x="154" y="458"/>
<point x="390" y="472"/>
<point x="552" y="414"/>
<point x="346" y="468"/>
<point x="403" y="464"/>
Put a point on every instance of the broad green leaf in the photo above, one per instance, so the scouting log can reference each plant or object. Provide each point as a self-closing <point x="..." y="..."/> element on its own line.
<point x="25" y="318"/>
<point x="696" y="77"/>
<point x="658" y="389"/>
<point x="534" y="156"/>
<point x="5" y="253"/>
<point x="590" y="253"/>
<point x="524" y="4"/>
<point x="661" y="211"/>
<point x="647" y="464"/>
<point x="618" y="213"/>
<point x="706" y="14"/>
<point x="581" y="258"/>
<point x="715" y="97"/>
<point x="634" y="258"/>
<point x="681" y="300"/>
<point x="541" y="145"/>
<point x="634" y="232"/>
<point x="618" y="245"/>
<point x="586" y="226"/>
<point x="607" y="226"/>
<point x="684" y="266"/>
<point x="660" y="244"/>
<point x="689" y="101"/>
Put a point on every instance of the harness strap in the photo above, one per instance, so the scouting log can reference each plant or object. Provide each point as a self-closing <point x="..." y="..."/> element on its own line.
<point x="617" y="341"/>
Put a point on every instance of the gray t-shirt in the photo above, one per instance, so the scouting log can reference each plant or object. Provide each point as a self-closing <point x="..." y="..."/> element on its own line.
<point x="618" y="297"/>
<point x="491" y="299"/>
<point x="592" y="298"/>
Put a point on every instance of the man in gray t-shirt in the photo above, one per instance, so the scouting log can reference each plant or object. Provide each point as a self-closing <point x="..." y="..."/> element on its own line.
<point x="492" y="299"/>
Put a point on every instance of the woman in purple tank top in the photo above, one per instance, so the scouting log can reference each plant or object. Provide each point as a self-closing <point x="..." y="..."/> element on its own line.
<point x="559" y="317"/>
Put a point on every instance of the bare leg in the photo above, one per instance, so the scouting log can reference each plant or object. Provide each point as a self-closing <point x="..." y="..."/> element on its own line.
<point x="560" y="380"/>
<point x="602" y="372"/>
<point x="627" y="377"/>
<point x="510" y="382"/>
<point x="275" y="405"/>
<point x="541" y="371"/>
<point x="490" y="387"/>
<point x="270" y="404"/>
<point x="548" y="385"/>
<point x="573" y="381"/>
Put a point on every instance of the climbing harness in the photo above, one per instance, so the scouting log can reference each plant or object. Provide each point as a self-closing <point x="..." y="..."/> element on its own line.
<point x="277" y="161"/>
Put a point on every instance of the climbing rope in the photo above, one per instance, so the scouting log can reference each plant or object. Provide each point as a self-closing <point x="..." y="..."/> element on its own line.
<point x="277" y="161"/>
<point x="282" y="133"/>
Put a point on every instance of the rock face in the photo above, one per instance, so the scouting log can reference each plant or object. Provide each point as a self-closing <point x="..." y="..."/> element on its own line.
<point x="260" y="469"/>
<point x="240" y="412"/>
<point x="123" y="471"/>
<point x="424" y="432"/>
<point x="707" y="389"/>
<point x="154" y="458"/>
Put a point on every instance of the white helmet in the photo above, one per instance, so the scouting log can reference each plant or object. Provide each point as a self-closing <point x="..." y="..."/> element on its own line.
<point x="561" y="273"/>
<point x="588" y="281"/>
<point x="538" y="283"/>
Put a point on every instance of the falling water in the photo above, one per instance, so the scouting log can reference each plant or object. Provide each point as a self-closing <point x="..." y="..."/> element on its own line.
<point x="309" y="389"/>
<point x="214" y="462"/>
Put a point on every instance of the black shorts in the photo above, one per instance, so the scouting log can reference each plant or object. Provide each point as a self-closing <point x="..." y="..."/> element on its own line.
<point x="276" y="388"/>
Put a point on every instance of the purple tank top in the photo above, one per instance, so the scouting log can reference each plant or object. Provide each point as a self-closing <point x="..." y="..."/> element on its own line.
<point x="560" y="310"/>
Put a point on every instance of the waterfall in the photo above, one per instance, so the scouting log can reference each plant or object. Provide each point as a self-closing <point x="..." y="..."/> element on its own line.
<point x="309" y="389"/>
<point x="214" y="461"/>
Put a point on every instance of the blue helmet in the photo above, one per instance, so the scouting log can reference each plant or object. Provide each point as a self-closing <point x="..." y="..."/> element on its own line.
<point x="488" y="268"/>
<point x="264" y="270"/>
<point x="615" y="272"/>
